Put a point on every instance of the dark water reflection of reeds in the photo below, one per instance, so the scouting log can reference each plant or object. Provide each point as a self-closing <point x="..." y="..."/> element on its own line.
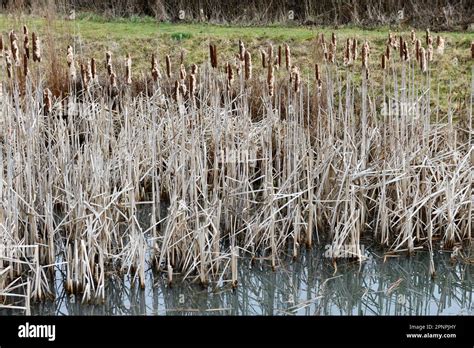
<point x="308" y="286"/>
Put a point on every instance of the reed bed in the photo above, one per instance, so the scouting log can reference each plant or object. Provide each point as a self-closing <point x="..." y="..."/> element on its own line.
<point x="235" y="162"/>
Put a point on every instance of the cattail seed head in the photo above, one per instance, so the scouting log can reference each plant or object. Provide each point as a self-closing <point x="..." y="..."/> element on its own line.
<point x="347" y="52"/>
<point x="93" y="69"/>
<point x="406" y="52"/>
<point x="280" y="50"/>
<point x="248" y="65"/>
<point x="295" y="76"/>
<point x="317" y="72"/>
<point x="423" y="63"/>
<point x="401" y="48"/>
<point x="168" y="66"/>
<point x="230" y="75"/>
<point x="25" y="65"/>
<point x="440" y="45"/>
<point x="70" y="56"/>
<point x="182" y="72"/>
<point x="354" y="50"/>
<point x="192" y="86"/>
<point x="241" y="50"/>
<point x="264" y="58"/>
<point x="417" y="50"/>
<point x="113" y="80"/>
<point x="213" y="54"/>
<point x="1" y="45"/>
<point x="287" y="57"/>
<point x="429" y="52"/>
<point x="36" y="48"/>
<point x="325" y="51"/>
<point x="194" y="69"/>
<point x="332" y="53"/>
<point x="155" y="71"/>
<point x="472" y="50"/>
<point x="15" y="53"/>
<point x="128" y="70"/>
<point x="26" y="45"/>
<point x="9" y="64"/>
<point x="387" y="52"/>
<point x="334" y="39"/>
<point x="365" y="55"/>
<point x="428" y="36"/>
<point x="270" y="80"/>
<point x="413" y="36"/>
<point x="47" y="103"/>
<point x="384" y="63"/>
<point x="84" y="77"/>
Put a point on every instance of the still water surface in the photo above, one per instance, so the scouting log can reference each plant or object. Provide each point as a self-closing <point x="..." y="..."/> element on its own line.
<point x="308" y="286"/>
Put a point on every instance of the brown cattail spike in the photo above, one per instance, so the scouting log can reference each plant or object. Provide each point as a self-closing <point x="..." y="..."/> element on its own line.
<point x="280" y="50"/>
<point x="47" y="103"/>
<point x="9" y="64"/>
<point x="472" y="50"/>
<point x="384" y="63"/>
<point x="36" y="48"/>
<point x="241" y="50"/>
<point x="270" y="81"/>
<point x="248" y="65"/>
<point x="287" y="57"/>
<point x="25" y="65"/>
<point x="264" y="58"/>
<point x="182" y="72"/>
<point x="93" y="69"/>
<point x="423" y="63"/>
<point x="440" y="45"/>
<point x="26" y="46"/>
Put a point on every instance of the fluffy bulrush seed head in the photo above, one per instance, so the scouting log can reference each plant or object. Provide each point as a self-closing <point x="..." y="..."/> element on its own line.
<point x="417" y="50"/>
<point x="325" y="51"/>
<point x="287" y="57"/>
<point x="295" y="76"/>
<point x="406" y="52"/>
<point x="128" y="70"/>
<point x="392" y="40"/>
<point x="365" y="55"/>
<point x="270" y="55"/>
<point x="108" y="63"/>
<point x="440" y="45"/>
<point x="155" y="71"/>
<point x="194" y="69"/>
<point x="15" y="53"/>
<point x="347" y="53"/>
<point x="428" y="36"/>
<point x="264" y="58"/>
<point x="182" y="72"/>
<point x="26" y="44"/>
<point x="332" y="53"/>
<point x="36" y="48"/>
<point x="113" y="80"/>
<point x="84" y="77"/>
<point x="248" y="65"/>
<point x="70" y="63"/>
<point x="429" y="52"/>
<point x="334" y="39"/>
<point x="423" y="62"/>
<point x="241" y="50"/>
<point x="413" y="36"/>
<point x="9" y="64"/>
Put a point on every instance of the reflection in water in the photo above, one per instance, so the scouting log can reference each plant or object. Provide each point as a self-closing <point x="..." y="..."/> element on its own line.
<point x="309" y="286"/>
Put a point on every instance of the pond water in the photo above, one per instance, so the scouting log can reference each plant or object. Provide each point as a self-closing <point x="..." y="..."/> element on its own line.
<point x="308" y="286"/>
